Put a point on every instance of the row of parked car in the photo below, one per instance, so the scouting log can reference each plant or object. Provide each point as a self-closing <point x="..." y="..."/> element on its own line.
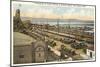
<point x="79" y="45"/>
<point x="65" y="40"/>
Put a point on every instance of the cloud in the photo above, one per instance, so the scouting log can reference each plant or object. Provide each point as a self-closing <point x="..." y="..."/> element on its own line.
<point x="68" y="12"/>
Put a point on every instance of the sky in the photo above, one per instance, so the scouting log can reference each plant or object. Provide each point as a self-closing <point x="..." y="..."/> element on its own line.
<point x="37" y="10"/>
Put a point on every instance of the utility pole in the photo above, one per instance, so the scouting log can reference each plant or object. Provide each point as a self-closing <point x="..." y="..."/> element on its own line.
<point x="58" y="25"/>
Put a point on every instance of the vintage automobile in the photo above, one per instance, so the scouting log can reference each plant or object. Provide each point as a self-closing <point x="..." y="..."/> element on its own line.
<point x="68" y="40"/>
<point x="78" y="45"/>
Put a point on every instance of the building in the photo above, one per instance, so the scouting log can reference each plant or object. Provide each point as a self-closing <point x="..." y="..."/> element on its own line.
<point x="28" y="50"/>
<point x="17" y="22"/>
<point x="90" y="52"/>
<point x="39" y="52"/>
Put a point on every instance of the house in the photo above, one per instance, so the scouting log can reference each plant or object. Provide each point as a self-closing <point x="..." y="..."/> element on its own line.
<point x="28" y="50"/>
<point x="90" y="52"/>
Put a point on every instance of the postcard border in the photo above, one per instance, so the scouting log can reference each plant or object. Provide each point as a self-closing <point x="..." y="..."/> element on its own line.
<point x="55" y="62"/>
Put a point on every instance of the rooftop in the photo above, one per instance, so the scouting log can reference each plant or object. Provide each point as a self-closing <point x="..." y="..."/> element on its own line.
<point x="22" y="39"/>
<point x="91" y="47"/>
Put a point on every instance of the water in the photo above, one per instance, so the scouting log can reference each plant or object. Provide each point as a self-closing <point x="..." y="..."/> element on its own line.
<point x="63" y="23"/>
<point x="71" y="24"/>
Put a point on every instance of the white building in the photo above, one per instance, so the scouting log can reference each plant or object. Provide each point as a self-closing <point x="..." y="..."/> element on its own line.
<point x="90" y="52"/>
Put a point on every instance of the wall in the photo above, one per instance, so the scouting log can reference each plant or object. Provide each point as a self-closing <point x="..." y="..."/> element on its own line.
<point x="93" y="53"/>
<point x="23" y="50"/>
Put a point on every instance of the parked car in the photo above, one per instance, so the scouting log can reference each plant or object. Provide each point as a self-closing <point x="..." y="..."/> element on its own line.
<point x="78" y="45"/>
<point x="68" y="40"/>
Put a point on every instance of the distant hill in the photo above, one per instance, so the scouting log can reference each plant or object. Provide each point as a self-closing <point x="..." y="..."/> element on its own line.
<point x="55" y="20"/>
